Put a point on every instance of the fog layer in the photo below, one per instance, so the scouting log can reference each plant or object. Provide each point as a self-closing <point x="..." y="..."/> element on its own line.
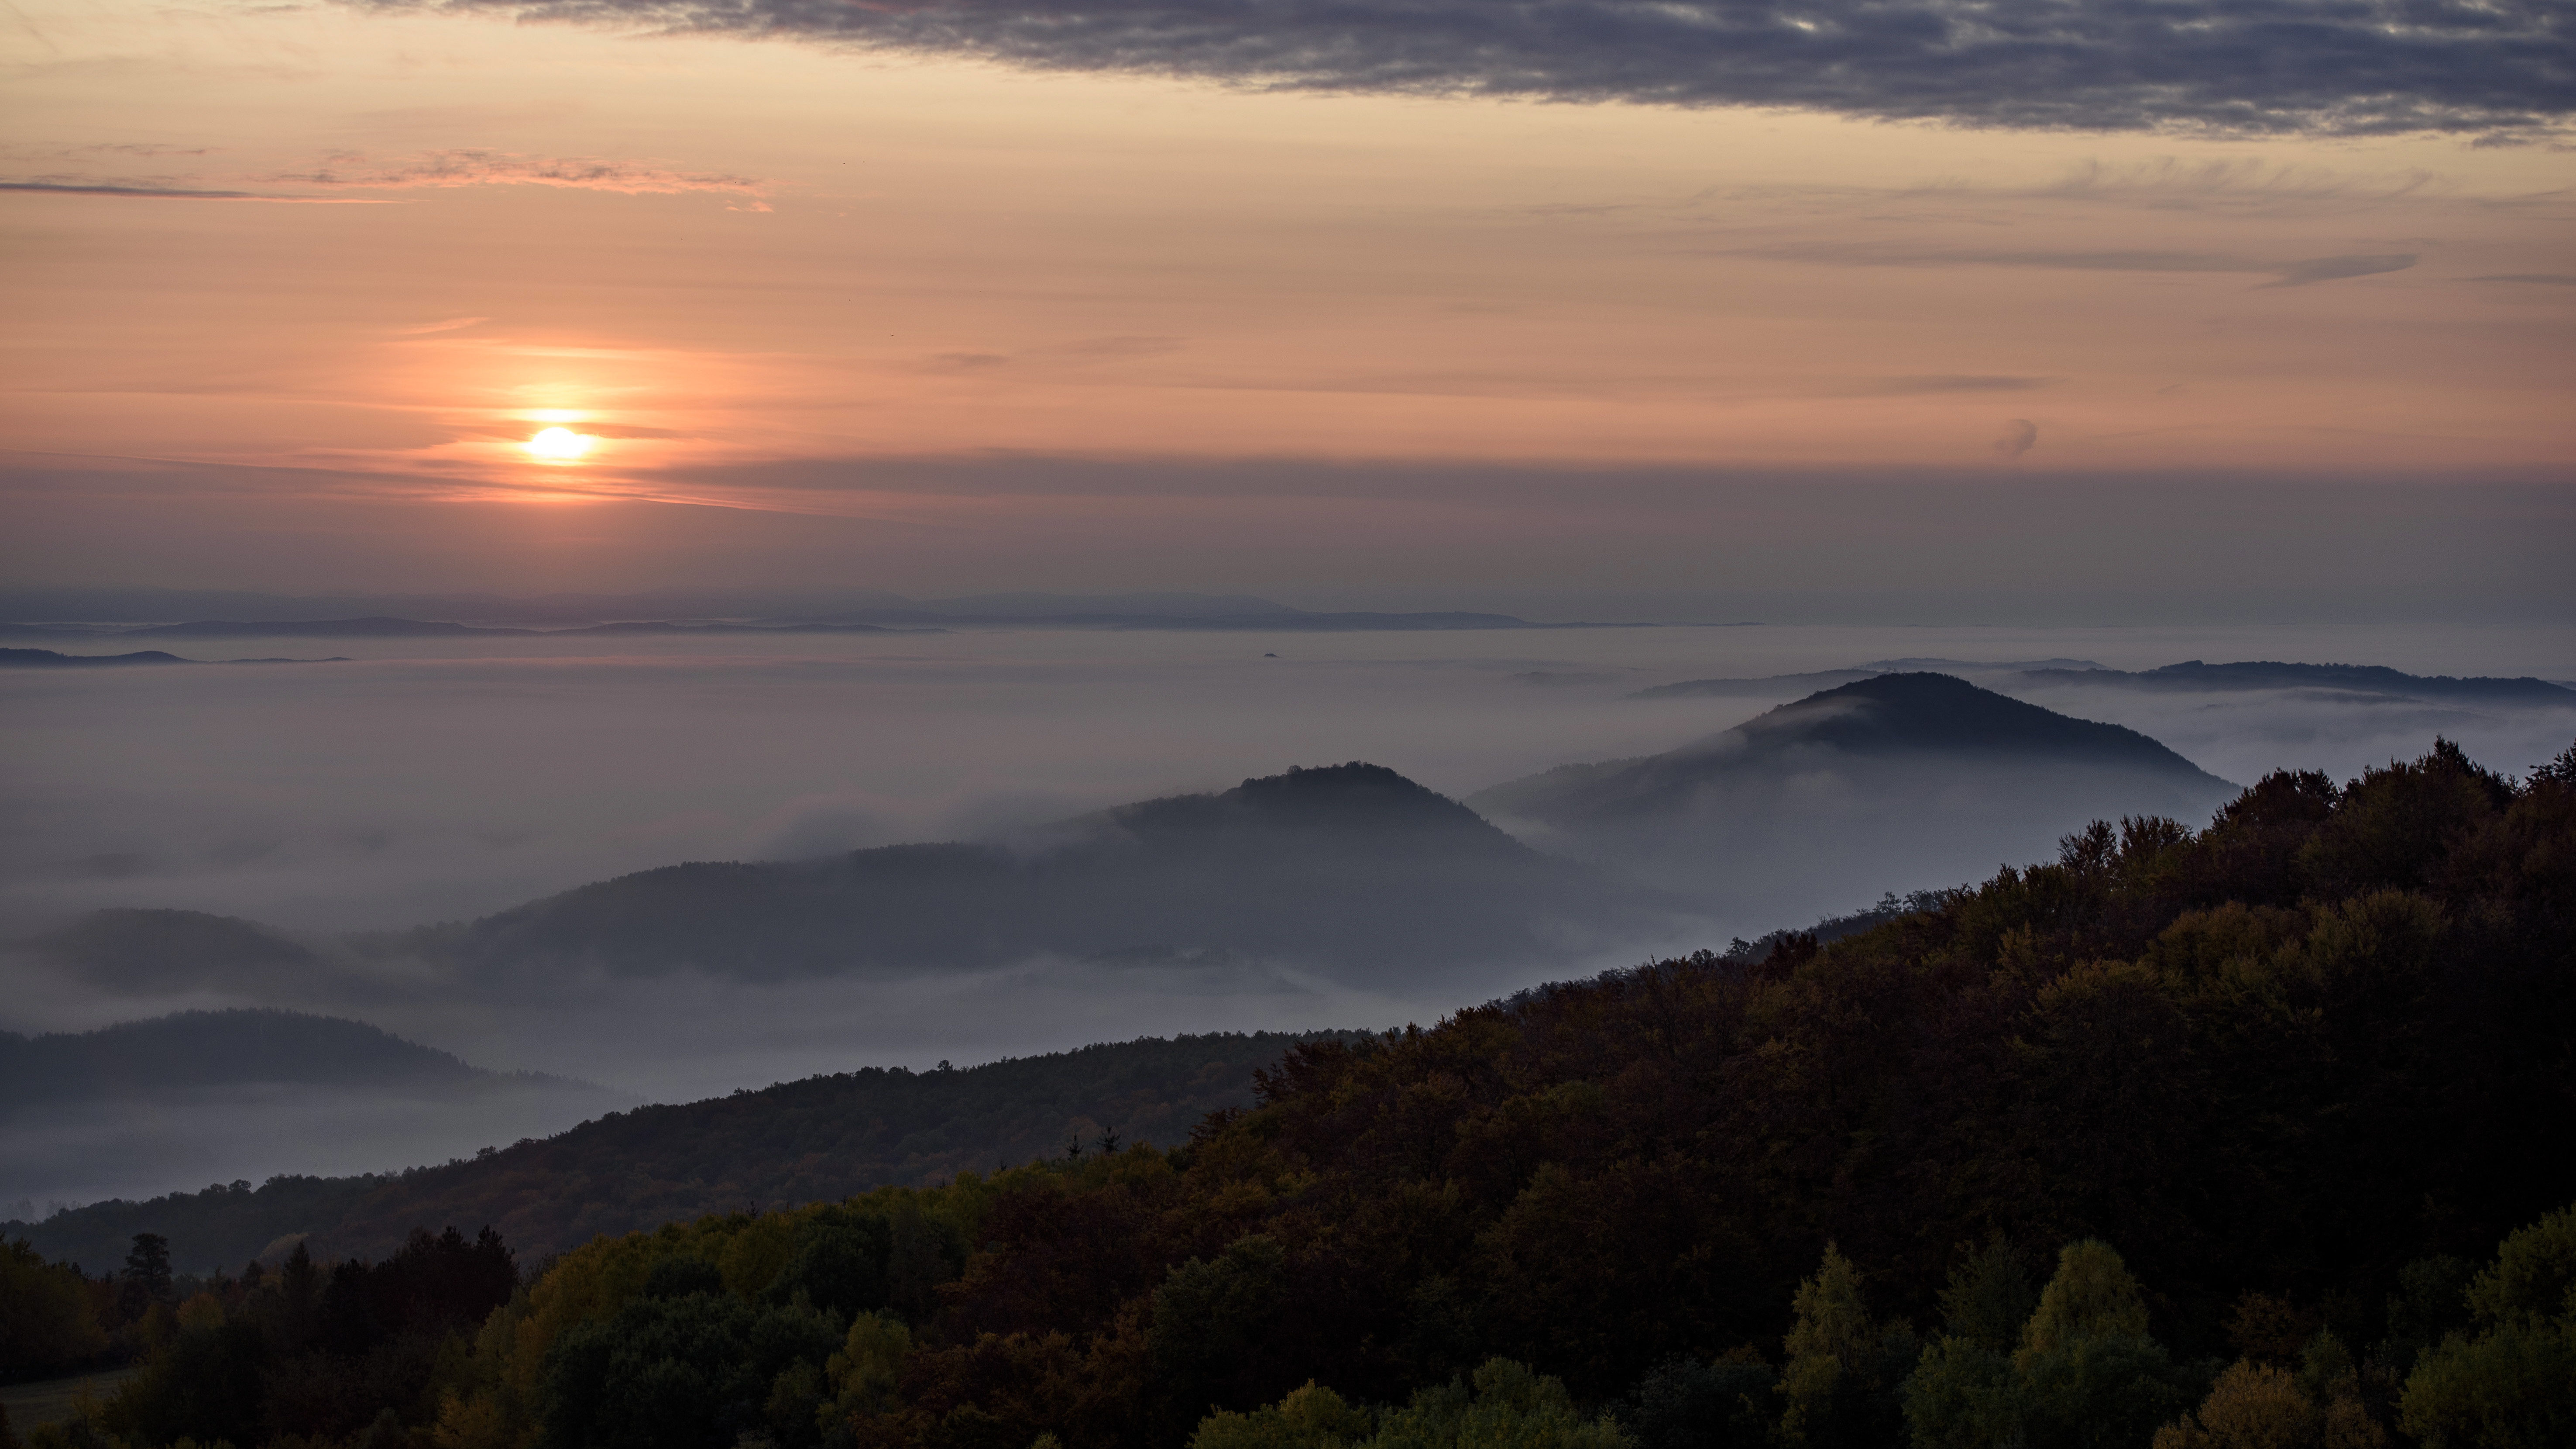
<point x="433" y="781"/>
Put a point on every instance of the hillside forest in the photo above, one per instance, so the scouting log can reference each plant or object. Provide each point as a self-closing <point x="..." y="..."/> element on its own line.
<point x="2246" y="1136"/>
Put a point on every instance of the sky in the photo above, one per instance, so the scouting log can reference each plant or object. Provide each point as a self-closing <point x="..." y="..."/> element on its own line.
<point x="1574" y="303"/>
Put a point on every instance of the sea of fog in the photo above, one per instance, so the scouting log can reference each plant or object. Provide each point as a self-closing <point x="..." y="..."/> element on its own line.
<point x="427" y="780"/>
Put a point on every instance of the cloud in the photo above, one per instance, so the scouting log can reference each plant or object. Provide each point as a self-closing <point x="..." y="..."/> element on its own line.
<point x="1946" y="382"/>
<point x="506" y="168"/>
<point x="147" y="148"/>
<point x="2327" y="269"/>
<point x="163" y="193"/>
<point x="449" y="325"/>
<point x="2242" y="185"/>
<point x="2537" y="279"/>
<point x="432" y="169"/>
<point x="2295" y="273"/>
<point x="2333" y="66"/>
<point x="1123" y="346"/>
<point x="2020" y="436"/>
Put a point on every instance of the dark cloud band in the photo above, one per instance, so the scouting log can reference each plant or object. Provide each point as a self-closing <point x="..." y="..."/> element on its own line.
<point x="2339" y="66"/>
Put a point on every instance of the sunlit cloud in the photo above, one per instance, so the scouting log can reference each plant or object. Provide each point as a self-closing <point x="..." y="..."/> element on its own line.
<point x="503" y="168"/>
<point x="2286" y="273"/>
<point x="452" y="324"/>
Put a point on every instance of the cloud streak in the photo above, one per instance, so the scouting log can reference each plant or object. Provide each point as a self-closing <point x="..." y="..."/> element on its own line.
<point x="505" y="168"/>
<point x="2330" y="66"/>
<point x="163" y="193"/>
<point x="2296" y="273"/>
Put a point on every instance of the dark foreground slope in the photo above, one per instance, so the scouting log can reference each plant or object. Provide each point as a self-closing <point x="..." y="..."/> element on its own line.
<point x="824" y="1137"/>
<point x="1912" y="780"/>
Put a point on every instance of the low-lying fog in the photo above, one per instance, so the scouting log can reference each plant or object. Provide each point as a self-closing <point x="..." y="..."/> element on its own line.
<point x="430" y="780"/>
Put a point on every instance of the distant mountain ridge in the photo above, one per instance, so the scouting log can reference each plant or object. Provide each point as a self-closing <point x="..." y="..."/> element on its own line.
<point x="2193" y="675"/>
<point x="2189" y="676"/>
<point x="50" y="659"/>
<point x="1343" y="870"/>
<point x="1323" y="866"/>
<point x="1912" y="778"/>
<point x="246" y="1092"/>
<point x="190" y="1050"/>
<point x="820" y="1138"/>
<point x="1880" y="716"/>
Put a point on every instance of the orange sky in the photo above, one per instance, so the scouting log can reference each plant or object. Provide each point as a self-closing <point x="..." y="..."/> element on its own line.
<point x="709" y="252"/>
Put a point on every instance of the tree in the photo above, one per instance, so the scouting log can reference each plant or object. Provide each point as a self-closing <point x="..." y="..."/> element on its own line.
<point x="1841" y="1381"/>
<point x="686" y="1365"/>
<point x="47" y="1320"/>
<point x="2513" y="1385"/>
<point x="2263" y="1406"/>
<point x="1961" y="1392"/>
<point x="1309" y="1418"/>
<point x="1504" y="1407"/>
<point x="2084" y="1374"/>
<point x="1208" y="1318"/>
<point x="1690" y="1403"/>
<point x="147" y="1274"/>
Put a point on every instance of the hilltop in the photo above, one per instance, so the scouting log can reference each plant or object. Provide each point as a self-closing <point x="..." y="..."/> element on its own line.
<point x="1884" y="717"/>
<point x="1334" y="866"/>
<point x="1914" y="779"/>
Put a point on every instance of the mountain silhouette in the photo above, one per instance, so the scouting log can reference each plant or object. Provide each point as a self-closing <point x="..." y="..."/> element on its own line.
<point x="2193" y="676"/>
<point x="1341" y="869"/>
<point x="55" y="659"/>
<point x="821" y="1137"/>
<point x="1913" y="778"/>
<point x="238" y="1094"/>
<point x="194" y="1050"/>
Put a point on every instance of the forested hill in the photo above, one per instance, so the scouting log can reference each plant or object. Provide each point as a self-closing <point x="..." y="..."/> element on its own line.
<point x="824" y="1137"/>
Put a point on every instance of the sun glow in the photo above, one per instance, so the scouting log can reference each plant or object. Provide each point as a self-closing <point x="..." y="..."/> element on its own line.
<point x="558" y="445"/>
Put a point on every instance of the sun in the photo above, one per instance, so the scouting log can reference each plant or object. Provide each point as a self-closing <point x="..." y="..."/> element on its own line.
<point x="557" y="445"/>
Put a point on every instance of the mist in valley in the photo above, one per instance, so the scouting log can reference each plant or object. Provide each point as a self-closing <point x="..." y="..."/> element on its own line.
<point x="336" y="831"/>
